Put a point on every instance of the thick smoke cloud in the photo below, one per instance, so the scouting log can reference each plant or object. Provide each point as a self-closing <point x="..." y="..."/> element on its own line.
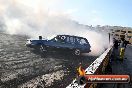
<point x="34" y="19"/>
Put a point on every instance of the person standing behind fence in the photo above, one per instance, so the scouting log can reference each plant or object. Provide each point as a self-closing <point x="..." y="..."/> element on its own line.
<point x="122" y="49"/>
<point x="116" y="43"/>
<point x="115" y="49"/>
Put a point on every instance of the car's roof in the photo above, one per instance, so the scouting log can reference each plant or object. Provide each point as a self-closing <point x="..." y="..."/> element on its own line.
<point x="71" y="36"/>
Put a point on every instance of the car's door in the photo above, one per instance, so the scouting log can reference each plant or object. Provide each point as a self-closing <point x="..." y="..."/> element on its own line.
<point x="67" y="42"/>
<point x="60" y="42"/>
<point x="71" y="42"/>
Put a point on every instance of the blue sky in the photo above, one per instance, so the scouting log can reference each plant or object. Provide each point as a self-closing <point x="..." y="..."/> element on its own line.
<point x="102" y="12"/>
<point x="89" y="12"/>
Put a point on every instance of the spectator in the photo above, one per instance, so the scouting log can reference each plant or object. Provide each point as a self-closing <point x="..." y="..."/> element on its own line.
<point x="122" y="49"/>
<point x="122" y="44"/>
<point x="115" y="49"/>
<point x="116" y="43"/>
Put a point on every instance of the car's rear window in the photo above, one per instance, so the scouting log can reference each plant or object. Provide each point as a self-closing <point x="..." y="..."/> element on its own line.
<point x="83" y="41"/>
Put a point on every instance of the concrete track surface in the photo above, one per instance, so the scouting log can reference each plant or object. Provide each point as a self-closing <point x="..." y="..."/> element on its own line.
<point x="22" y="67"/>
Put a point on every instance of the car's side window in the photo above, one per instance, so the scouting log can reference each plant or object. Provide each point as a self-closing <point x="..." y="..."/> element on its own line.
<point x="72" y="40"/>
<point x="60" y="39"/>
<point x="78" y="40"/>
<point x="63" y="38"/>
<point x="67" y="39"/>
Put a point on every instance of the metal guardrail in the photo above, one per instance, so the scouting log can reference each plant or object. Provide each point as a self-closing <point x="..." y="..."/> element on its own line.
<point x="97" y="67"/>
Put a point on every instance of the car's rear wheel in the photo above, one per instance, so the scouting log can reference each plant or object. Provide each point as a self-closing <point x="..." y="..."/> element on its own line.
<point x="77" y="52"/>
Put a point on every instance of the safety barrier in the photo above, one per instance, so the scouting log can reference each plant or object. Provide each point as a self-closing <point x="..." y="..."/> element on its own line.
<point x="97" y="67"/>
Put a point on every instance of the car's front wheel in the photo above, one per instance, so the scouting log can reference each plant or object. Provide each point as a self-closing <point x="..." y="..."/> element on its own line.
<point x="42" y="48"/>
<point x="77" y="52"/>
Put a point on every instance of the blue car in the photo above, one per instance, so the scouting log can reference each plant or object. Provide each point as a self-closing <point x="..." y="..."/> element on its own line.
<point x="75" y="44"/>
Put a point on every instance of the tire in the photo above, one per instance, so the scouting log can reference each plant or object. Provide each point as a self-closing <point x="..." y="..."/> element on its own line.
<point x="77" y="52"/>
<point x="42" y="48"/>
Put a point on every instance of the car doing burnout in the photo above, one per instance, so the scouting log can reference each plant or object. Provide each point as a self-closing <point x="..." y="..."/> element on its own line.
<point x="75" y="44"/>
